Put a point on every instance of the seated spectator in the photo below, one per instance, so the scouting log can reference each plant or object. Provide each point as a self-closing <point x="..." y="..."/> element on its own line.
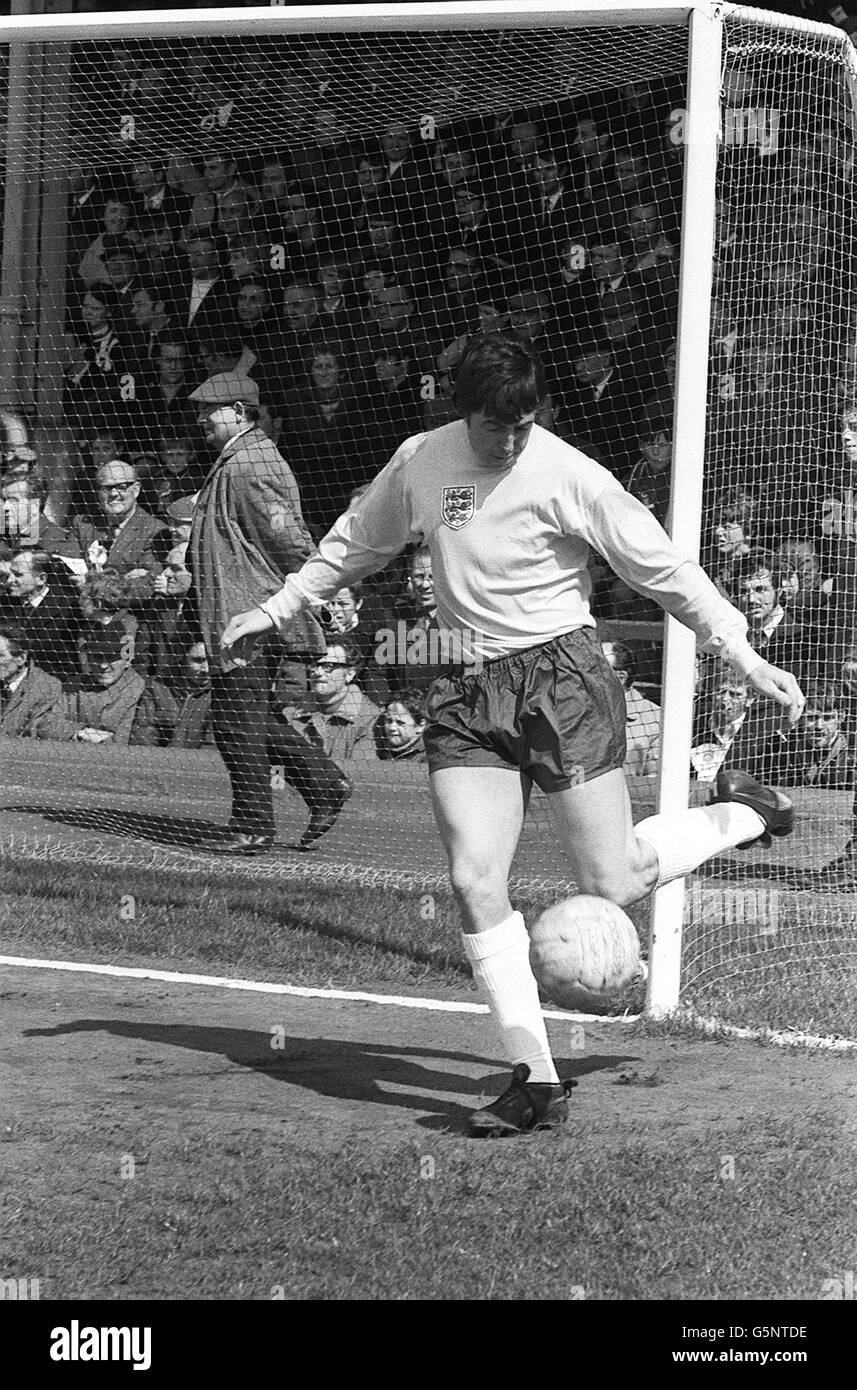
<point x="29" y="697"/>
<point x="755" y="583"/>
<point x="592" y="142"/>
<point x="117" y="218"/>
<point x="409" y="176"/>
<point x="339" y="310"/>
<point x="392" y="323"/>
<point x="400" y="728"/>
<point x="337" y="717"/>
<point x="453" y="311"/>
<point x="192" y="691"/>
<point x="730" y="532"/>
<point x="301" y="331"/>
<point x="650" y="249"/>
<point x="110" y="701"/>
<point x="153" y="196"/>
<point x="326" y="438"/>
<point x="417" y="647"/>
<point x="170" y="609"/>
<point x="122" y="264"/>
<point x="107" y="354"/>
<point x="382" y="248"/>
<point x="125" y="535"/>
<point x="574" y="290"/>
<point x="475" y="230"/>
<point x="369" y="181"/>
<point x="361" y="616"/>
<point x="824" y="758"/>
<point x="649" y="479"/>
<point x="163" y="395"/>
<point x="238" y="213"/>
<point x="148" y="310"/>
<point x="643" y="729"/>
<point x="179" y="474"/>
<point x="165" y="263"/>
<point x="557" y="214"/>
<point x="25" y="524"/>
<point x="394" y="403"/>
<point x="604" y="402"/>
<point x="44" y="604"/>
<point x="205" y="297"/>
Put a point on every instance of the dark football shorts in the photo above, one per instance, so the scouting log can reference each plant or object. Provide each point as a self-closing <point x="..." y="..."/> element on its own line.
<point x="556" y="712"/>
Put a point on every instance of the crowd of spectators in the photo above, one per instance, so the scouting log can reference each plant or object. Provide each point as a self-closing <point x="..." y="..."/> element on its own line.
<point x="332" y="282"/>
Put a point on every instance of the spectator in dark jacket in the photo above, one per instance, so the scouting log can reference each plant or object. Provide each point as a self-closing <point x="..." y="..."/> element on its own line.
<point x="47" y="611"/>
<point x="110" y="701"/>
<point x="125" y="536"/>
<point x="193" y="726"/>
<point x="29" y="697"/>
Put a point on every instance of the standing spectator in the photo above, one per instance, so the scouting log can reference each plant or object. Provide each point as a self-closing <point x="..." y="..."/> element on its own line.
<point x="643" y="729"/>
<point x="46" y="610"/>
<point x="125" y="536"/>
<point x="248" y="531"/>
<point x="29" y="697"/>
<point x="649" y="479"/>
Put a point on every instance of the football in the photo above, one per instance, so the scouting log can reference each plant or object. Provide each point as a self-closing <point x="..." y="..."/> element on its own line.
<point x="584" y="952"/>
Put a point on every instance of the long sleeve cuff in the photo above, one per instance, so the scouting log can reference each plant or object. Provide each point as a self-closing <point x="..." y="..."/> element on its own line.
<point x="735" y="650"/>
<point x="286" y="604"/>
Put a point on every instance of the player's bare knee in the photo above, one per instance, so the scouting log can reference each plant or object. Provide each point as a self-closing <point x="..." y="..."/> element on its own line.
<point x="622" y="885"/>
<point x="476" y="883"/>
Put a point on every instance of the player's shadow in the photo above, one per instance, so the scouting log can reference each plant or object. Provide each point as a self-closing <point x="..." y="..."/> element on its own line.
<point x="175" y="831"/>
<point x="337" y="1068"/>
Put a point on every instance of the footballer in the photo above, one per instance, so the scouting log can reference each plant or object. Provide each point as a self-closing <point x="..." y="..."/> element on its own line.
<point x="508" y="512"/>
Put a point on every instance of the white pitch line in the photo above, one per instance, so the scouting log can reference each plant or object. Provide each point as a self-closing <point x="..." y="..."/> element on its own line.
<point x="400" y="1001"/>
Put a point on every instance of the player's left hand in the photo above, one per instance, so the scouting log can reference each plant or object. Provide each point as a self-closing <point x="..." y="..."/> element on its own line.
<point x="781" y="687"/>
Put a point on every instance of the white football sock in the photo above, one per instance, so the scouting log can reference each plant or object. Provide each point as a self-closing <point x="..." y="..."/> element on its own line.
<point x="500" y="960"/>
<point x="685" y="839"/>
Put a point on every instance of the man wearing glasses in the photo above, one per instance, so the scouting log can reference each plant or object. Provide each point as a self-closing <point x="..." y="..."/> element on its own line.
<point x="337" y="716"/>
<point x="125" y="536"/>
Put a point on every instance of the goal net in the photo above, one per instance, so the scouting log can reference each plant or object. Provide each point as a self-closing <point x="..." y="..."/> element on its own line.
<point x="316" y="222"/>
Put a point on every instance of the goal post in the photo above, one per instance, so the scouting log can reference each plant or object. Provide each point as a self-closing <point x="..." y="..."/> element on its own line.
<point x="659" y="196"/>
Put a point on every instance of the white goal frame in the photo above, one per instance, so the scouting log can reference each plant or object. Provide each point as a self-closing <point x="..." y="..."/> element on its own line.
<point x="704" y="23"/>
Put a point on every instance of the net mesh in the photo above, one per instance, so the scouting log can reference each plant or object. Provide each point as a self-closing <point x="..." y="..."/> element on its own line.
<point x="319" y="226"/>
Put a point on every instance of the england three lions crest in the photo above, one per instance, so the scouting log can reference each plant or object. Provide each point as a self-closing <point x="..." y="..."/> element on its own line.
<point x="457" y="506"/>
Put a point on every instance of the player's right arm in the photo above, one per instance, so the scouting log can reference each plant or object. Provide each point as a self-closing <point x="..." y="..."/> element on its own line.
<point x="362" y="541"/>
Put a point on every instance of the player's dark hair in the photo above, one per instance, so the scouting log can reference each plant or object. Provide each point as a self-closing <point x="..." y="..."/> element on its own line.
<point x="502" y="377"/>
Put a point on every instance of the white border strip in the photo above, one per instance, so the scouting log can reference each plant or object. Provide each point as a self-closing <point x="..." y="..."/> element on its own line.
<point x="780" y="1037"/>
<point x="449" y="1006"/>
